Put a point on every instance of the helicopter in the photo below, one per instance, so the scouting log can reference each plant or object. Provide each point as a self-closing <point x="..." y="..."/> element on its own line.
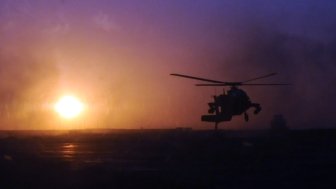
<point x="234" y="102"/>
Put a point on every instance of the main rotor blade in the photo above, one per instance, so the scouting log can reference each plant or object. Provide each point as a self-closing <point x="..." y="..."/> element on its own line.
<point x="217" y="84"/>
<point x="197" y="78"/>
<point x="238" y="84"/>
<point x="261" y="84"/>
<point x="268" y="75"/>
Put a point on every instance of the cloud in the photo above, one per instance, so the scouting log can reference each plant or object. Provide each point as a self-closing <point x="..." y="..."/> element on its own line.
<point x="60" y="28"/>
<point x="59" y="24"/>
<point x="105" y="22"/>
<point x="308" y="64"/>
<point x="28" y="78"/>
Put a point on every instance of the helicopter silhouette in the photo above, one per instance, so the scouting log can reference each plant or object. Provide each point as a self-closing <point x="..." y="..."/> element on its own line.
<point x="234" y="102"/>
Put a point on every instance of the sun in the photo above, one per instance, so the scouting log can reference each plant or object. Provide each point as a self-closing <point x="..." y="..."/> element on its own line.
<point x="69" y="107"/>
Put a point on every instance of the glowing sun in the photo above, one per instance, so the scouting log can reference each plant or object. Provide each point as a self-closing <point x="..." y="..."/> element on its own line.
<point x="69" y="107"/>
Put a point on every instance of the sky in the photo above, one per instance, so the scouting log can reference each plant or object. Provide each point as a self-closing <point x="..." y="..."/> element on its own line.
<point x="116" y="56"/>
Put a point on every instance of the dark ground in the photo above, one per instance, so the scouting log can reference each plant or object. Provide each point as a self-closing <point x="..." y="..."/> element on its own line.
<point x="168" y="159"/>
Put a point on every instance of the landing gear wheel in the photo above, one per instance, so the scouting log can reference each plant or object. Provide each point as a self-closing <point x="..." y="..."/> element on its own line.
<point x="216" y="126"/>
<point x="246" y="117"/>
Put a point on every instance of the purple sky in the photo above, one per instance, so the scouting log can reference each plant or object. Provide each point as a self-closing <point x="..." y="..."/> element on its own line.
<point x="117" y="56"/>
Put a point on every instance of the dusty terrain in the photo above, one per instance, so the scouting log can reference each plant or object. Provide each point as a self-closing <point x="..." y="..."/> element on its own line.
<point x="168" y="159"/>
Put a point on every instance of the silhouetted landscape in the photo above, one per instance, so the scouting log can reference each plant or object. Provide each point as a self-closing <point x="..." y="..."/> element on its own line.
<point x="68" y="68"/>
<point x="175" y="158"/>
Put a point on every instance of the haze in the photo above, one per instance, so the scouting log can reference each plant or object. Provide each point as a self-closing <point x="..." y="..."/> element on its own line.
<point x="116" y="56"/>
